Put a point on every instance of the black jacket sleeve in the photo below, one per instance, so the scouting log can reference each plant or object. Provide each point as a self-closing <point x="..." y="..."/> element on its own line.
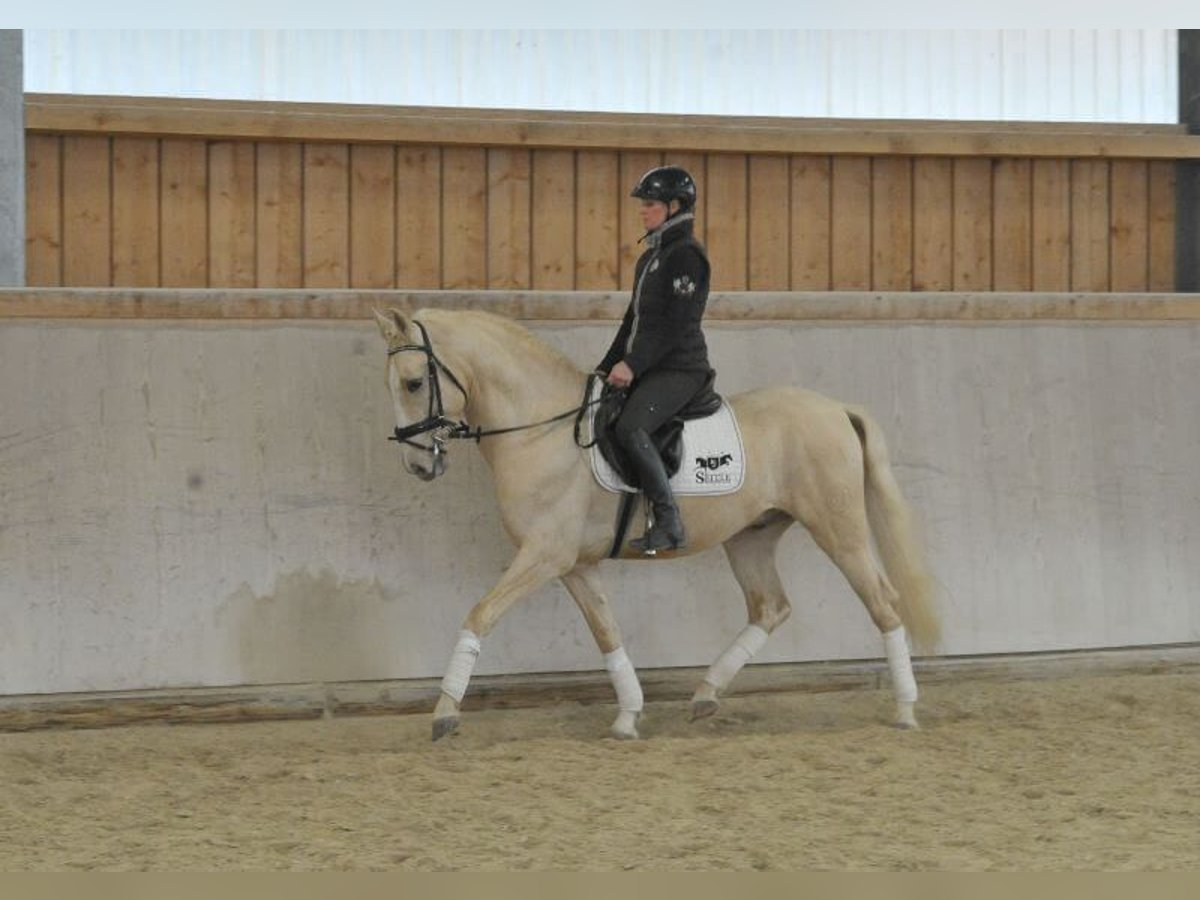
<point x="668" y="308"/>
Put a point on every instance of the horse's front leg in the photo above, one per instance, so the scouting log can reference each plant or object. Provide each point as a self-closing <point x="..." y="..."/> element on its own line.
<point x="603" y="624"/>
<point x="533" y="566"/>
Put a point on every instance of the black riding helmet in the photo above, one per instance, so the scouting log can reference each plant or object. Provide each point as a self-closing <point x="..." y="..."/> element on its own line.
<point x="667" y="183"/>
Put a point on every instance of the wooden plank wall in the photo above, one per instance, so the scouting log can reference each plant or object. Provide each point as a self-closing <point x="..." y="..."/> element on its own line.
<point x="172" y="211"/>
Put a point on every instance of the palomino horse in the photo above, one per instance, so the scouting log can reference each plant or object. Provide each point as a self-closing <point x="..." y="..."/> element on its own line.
<point x="809" y="459"/>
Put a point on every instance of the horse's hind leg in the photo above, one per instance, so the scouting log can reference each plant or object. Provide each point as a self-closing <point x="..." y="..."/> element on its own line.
<point x="751" y="554"/>
<point x="603" y="624"/>
<point x="879" y="597"/>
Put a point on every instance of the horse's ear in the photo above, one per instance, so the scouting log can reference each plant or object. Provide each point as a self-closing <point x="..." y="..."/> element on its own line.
<point x="392" y="325"/>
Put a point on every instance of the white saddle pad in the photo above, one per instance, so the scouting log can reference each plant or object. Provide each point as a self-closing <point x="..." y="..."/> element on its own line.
<point x="713" y="460"/>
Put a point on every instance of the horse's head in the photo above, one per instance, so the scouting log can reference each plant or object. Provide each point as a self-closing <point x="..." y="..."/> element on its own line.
<point x="421" y="408"/>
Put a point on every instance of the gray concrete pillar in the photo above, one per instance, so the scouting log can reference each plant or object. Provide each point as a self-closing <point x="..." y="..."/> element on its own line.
<point x="1187" y="176"/>
<point x="12" y="159"/>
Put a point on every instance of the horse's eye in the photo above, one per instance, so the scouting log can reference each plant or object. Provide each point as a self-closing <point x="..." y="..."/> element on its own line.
<point x="413" y="385"/>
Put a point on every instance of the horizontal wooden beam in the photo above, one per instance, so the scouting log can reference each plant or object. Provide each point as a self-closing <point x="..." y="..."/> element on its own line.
<point x="218" y="304"/>
<point x="310" y="701"/>
<point x="246" y="120"/>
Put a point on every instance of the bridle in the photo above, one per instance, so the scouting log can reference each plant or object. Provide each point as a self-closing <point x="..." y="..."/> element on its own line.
<point x="435" y="416"/>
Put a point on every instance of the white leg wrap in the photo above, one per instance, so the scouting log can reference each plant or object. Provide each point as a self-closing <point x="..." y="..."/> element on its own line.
<point x="740" y="652"/>
<point x="903" y="684"/>
<point x="625" y="680"/>
<point x="462" y="664"/>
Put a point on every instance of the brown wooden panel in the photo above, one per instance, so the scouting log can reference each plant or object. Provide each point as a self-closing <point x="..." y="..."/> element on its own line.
<point x="372" y="216"/>
<point x="933" y="224"/>
<point x="1089" y="225"/>
<point x="43" y="210"/>
<point x="508" y="218"/>
<point x="326" y="215"/>
<point x="728" y="221"/>
<point x="891" y="223"/>
<point x="1013" y="229"/>
<point x="1130" y="225"/>
<point x="279" y="197"/>
<point x="1162" y="226"/>
<point x="629" y="223"/>
<point x="464" y="217"/>
<point x="972" y="224"/>
<point x="231" y="214"/>
<point x="810" y="227"/>
<point x="135" y="212"/>
<point x="184" y="213"/>
<point x="769" y="217"/>
<point x="850" y="236"/>
<point x="86" y="203"/>
<point x="696" y="165"/>
<point x="418" y="217"/>
<point x="552" y="254"/>
<point x="1051" y="225"/>
<point x="597" y="224"/>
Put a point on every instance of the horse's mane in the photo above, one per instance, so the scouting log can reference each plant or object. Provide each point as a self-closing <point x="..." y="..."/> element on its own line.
<point x="508" y="333"/>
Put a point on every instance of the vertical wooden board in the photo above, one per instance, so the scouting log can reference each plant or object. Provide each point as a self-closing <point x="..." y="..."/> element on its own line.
<point x="86" y="203"/>
<point x="184" y="213"/>
<point x="696" y="165"/>
<point x="279" y="181"/>
<point x="326" y="215"/>
<point x="728" y="221"/>
<point x="43" y="210"/>
<point x="508" y="218"/>
<point x="811" y="178"/>
<point x="1162" y="226"/>
<point x="972" y="224"/>
<point x="892" y="223"/>
<point x="1051" y="225"/>
<point x="552" y="256"/>
<point x="1013" y="226"/>
<point x="372" y="216"/>
<point x="769" y="218"/>
<point x="464" y="218"/>
<point x="850" y="237"/>
<point x="1130" y="225"/>
<point x="597" y="224"/>
<point x="231" y="202"/>
<point x="933" y="224"/>
<point x="418" y="217"/>
<point x="633" y="166"/>
<point x="135" y="214"/>
<point x="1089" y="225"/>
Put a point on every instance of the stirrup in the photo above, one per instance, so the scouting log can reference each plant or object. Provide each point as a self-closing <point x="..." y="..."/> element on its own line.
<point x="656" y="539"/>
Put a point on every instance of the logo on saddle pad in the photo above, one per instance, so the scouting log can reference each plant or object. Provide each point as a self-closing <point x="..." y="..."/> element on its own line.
<point x="707" y="467"/>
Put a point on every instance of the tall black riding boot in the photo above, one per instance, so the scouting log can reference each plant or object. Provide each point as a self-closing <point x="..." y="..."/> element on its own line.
<point x="666" y="531"/>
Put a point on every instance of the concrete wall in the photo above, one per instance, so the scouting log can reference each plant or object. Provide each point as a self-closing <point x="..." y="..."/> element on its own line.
<point x="214" y="503"/>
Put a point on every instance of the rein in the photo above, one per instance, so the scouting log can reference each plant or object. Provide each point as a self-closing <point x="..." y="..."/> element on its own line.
<point x="435" y="419"/>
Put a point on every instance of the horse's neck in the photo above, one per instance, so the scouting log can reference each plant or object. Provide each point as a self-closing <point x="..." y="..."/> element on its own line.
<point x="509" y="386"/>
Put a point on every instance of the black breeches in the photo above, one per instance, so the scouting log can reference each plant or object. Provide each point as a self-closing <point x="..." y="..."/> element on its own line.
<point x="655" y="399"/>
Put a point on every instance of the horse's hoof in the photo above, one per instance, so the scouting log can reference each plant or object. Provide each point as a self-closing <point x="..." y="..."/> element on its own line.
<point x="443" y="727"/>
<point x="704" y="709"/>
<point x="906" y="718"/>
<point x="625" y="728"/>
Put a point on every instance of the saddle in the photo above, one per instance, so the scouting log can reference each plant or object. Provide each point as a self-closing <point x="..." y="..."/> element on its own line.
<point x="668" y="439"/>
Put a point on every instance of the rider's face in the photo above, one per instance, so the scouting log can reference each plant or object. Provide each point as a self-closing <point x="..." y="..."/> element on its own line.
<point x="654" y="213"/>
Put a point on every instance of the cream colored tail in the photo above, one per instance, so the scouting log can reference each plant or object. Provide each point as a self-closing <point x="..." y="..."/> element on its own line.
<point x="894" y="529"/>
